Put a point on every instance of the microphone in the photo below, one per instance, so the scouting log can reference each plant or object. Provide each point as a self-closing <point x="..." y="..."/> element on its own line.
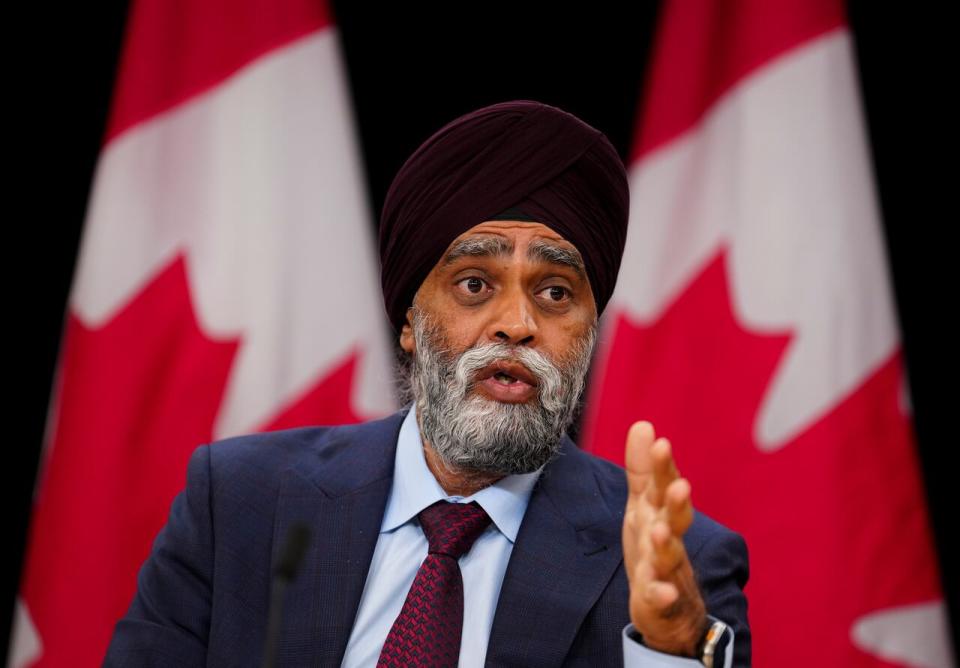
<point x="284" y="572"/>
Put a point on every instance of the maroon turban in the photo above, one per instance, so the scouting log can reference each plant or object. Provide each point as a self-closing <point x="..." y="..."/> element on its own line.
<point x="522" y="155"/>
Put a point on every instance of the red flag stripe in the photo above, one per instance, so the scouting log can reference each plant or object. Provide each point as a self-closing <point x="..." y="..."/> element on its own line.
<point x="704" y="48"/>
<point x="172" y="54"/>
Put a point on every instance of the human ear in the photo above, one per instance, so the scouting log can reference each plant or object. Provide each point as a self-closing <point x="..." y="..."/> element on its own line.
<point x="406" y="334"/>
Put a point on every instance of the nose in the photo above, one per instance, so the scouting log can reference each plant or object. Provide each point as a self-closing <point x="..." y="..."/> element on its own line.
<point x="513" y="321"/>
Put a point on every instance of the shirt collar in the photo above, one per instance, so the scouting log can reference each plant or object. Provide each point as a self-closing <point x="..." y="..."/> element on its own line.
<point x="414" y="487"/>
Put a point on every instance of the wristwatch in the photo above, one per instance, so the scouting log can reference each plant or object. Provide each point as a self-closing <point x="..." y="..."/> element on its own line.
<point x="712" y="650"/>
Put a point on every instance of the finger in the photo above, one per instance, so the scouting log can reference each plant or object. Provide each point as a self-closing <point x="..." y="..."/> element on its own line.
<point x="668" y="553"/>
<point x="679" y="506"/>
<point x="661" y="596"/>
<point x="663" y="471"/>
<point x="633" y="540"/>
<point x="639" y="465"/>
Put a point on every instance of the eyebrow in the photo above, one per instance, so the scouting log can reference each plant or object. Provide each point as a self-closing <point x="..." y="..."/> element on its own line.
<point x="543" y="251"/>
<point x="539" y="250"/>
<point x="478" y="247"/>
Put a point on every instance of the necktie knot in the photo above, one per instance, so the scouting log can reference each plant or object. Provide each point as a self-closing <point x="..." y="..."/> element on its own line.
<point x="452" y="528"/>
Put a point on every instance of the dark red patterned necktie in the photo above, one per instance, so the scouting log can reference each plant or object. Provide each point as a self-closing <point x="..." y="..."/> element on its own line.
<point x="427" y="631"/>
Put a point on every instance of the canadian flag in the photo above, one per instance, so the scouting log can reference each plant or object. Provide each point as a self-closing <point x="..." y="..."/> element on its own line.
<point x="226" y="284"/>
<point x="753" y="324"/>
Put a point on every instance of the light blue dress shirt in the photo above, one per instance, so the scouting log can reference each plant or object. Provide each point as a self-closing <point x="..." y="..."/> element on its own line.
<point x="402" y="547"/>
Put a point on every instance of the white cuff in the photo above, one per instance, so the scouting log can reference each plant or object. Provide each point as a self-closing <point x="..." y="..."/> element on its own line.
<point x="637" y="655"/>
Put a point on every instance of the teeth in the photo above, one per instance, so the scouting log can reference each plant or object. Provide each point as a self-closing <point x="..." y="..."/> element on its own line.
<point x="504" y="379"/>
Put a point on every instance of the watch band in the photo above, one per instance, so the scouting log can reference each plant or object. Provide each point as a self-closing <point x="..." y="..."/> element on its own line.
<point x="714" y="640"/>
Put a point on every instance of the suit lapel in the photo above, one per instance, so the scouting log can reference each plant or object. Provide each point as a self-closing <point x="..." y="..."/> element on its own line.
<point x="339" y="491"/>
<point x="566" y="552"/>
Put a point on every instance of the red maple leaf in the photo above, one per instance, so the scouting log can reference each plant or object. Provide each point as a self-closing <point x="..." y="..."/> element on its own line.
<point x="136" y="397"/>
<point x="327" y="402"/>
<point x="835" y="519"/>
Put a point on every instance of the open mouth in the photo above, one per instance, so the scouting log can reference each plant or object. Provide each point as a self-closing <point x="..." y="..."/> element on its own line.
<point x="507" y="372"/>
<point x="507" y="381"/>
<point x="504" y="378"/>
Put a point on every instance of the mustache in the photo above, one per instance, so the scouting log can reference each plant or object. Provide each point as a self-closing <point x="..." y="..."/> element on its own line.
<point x="547" y="374"/>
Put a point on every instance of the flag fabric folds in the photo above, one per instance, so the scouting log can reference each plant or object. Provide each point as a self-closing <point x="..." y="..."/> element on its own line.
<point x="753" y="325"/>
<point x="226" y="283"/>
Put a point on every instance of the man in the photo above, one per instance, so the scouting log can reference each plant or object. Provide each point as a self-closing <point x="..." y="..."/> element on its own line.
<point x="469" y="527"/>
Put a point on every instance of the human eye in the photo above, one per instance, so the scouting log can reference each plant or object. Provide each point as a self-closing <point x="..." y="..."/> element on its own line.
<point x="555" y="294"/>
<point x="472" y="286"/>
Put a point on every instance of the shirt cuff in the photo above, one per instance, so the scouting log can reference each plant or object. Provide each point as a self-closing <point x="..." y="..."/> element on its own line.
<point x="638" y="655"/>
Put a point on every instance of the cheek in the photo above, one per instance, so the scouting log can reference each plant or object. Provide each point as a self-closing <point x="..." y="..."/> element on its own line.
<point x="463" y="333"/>
<point x="564" y="339"/>
<point x="457" y="331"/>
<point x="462" y="327"/>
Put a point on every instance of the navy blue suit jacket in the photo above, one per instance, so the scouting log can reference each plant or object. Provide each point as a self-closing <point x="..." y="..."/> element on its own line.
<point x="203" y="593"/>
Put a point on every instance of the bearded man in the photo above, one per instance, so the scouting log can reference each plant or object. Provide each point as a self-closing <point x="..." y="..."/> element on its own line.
<point x="467" y="529"/>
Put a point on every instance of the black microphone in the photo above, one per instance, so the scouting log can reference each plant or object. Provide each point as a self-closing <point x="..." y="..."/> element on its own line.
<point x="295" y="546"/>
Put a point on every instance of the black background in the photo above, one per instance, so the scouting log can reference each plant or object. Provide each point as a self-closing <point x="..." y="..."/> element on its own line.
<point x="411" y="70"/>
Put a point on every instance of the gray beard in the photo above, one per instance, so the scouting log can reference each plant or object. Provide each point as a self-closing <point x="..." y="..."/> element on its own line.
<point x="474" y="433"/>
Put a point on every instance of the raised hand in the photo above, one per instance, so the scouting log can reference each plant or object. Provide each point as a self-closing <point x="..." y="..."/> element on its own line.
<point x="665" y="604"/>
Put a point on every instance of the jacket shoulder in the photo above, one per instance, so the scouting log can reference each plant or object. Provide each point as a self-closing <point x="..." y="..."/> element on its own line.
<point x="263" y="458"/>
